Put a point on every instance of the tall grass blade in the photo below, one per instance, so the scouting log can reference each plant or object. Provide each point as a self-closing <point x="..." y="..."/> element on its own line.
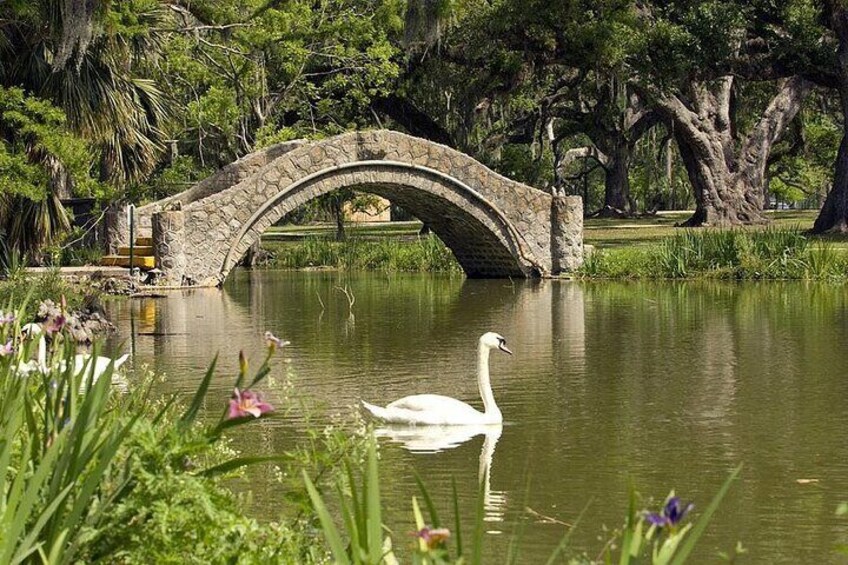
<point x="374" y="515"/>
<point x="704" y="520"/>
<point x="196" y="402"/>
<point x="457" y="519"/>
<point x="428" y="501"/>
<point x="334" y="539"/>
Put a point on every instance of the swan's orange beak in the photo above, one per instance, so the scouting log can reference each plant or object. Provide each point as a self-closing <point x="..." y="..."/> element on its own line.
<point x="504" y="348"/>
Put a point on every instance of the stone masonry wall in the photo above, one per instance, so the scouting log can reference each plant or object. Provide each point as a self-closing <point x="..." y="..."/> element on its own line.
<point x="495" y="226"/>
<point x="223" y="179"/>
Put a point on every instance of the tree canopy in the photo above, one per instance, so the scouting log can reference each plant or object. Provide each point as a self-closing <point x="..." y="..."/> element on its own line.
<point x="139" y="98"/>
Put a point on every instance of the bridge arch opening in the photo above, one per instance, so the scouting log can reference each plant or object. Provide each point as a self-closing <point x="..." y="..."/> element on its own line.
<point x="483" y="241"/>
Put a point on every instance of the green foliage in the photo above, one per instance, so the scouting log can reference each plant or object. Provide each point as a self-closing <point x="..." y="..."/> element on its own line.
<point x="96" y="79"/>
<point x="178" y="175"/>
<point x="89" y="475"/>
<point x="57" y="448"/>
<point x="34" y="133"/>
<point x="426" y="253"/>
<point x="31" y="290"/>
<point x="362" y="517"/>
<point x="175" y="515"/>
<point x="727" y="254"/>
<point x="804" y="176"/>
<point x="247" y="71"/>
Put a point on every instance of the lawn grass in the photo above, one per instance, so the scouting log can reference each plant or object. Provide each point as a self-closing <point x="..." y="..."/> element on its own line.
<point x="638" y="232"/>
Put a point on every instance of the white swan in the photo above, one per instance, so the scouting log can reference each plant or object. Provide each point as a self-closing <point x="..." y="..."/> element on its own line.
<point x="83" y="362"/>
<point x="438" y="410"/>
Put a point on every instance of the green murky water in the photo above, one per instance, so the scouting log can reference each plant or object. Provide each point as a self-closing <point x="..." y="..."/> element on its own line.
<point x="665" y="385"/>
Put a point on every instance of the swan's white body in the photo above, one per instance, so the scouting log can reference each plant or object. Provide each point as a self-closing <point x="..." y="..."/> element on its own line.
<point x="438" y="410"/>
<point x="83" y="362"/>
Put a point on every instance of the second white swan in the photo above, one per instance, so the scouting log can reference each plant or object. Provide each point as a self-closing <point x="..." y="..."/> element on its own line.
<point x="438" y="410"/>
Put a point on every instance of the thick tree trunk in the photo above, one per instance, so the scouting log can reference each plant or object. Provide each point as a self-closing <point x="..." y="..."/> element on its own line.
<point x="728" y="174"/>
<point x="834" y="213"/>
<point x="617" y="183"/>
<point x="833" y="216"/>
<point x="721" y="197"/>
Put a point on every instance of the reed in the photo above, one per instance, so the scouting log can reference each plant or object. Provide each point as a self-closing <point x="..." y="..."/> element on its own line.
<point x="778" y="254"/>
<point x="423" y="254"/>
<point x="661" y="538"/>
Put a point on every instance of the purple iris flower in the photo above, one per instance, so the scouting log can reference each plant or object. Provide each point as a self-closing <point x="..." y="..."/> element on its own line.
<point x="672" y="513"/>
<point x="6" y="349"/>
<point x="6" y="319"/>
<point x="55" y="324"/>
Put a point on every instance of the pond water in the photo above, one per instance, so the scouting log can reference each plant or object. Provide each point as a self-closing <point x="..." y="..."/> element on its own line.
<point x="667" y="386"/>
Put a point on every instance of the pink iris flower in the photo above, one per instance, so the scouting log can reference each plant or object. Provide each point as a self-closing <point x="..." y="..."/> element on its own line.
<point x="433" y="537"/>
<point x="247" y="403"/>
<point x="54" y="324"/>
<point x="7" y="349"/>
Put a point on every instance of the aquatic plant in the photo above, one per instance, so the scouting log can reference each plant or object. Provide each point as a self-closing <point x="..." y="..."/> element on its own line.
<point x="659" y="537"/>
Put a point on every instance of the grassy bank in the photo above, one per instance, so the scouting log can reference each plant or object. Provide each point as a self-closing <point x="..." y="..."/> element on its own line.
<point x="640" y="248"/>
<point x="21" y="287"/>
<point x="772" y="253"/>
<point x="393" y="254"/>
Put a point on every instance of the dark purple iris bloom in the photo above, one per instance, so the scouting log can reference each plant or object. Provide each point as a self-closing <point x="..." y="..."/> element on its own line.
<point x="671" y="515"/>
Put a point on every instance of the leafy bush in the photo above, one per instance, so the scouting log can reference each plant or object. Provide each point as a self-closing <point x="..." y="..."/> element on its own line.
<point x="90" y="475"/>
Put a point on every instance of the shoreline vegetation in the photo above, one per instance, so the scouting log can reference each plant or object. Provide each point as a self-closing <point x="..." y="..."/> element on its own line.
<point x="647" y="248"/>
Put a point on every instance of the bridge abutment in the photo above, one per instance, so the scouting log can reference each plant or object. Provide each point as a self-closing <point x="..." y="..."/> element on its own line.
<point x="566" y="234"/>
<point x="169" y="246"/>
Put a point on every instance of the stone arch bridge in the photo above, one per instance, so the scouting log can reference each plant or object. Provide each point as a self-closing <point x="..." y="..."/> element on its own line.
<point x="495" y="227"/>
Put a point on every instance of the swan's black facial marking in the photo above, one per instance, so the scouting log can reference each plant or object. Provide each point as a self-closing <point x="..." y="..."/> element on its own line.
<point x="502" y="345"/>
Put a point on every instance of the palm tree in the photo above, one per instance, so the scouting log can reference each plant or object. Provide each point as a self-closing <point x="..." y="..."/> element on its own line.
<point x="69" y="52"/>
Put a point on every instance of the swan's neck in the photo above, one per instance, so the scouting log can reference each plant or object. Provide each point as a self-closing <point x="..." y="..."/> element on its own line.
<point x="42" y="354"/>
<point x="489" y="406"/>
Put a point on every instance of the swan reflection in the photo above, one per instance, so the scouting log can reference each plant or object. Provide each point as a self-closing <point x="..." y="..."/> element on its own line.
<point x="435" y="439"/>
